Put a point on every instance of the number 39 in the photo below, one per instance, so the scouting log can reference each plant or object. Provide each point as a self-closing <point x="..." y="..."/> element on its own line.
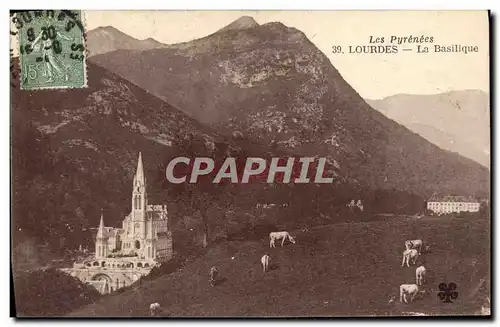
<point x="337" y="49"/>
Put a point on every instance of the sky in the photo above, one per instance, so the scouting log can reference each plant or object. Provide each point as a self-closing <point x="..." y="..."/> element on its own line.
<point x="374" y="76"/>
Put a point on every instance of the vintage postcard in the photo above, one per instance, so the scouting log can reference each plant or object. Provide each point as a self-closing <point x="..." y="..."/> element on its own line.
<point x="250" y="163"/>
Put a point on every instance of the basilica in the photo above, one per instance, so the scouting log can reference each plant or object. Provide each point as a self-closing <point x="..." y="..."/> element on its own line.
<point x="123" y="255"/>
<point x="144" y="231"/>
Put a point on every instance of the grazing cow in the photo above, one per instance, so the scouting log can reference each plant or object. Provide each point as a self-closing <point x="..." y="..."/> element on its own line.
<point x="414" y="244"/>
<point x="213" y="276"/>
<point x="409" y="256"/>
<point x="265" y="262"/>
<point x="420" y="273"/>
<point x="360" y="205"/>
<point x="280" y="236"/>
<point x="154" y="309"/>
<point x="407" y="289"/>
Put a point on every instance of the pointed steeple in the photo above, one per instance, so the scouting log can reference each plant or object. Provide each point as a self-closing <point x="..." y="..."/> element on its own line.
<point x="139" y="196"/>
<point x="100" y="232"/>
<point x="139" y="174"/>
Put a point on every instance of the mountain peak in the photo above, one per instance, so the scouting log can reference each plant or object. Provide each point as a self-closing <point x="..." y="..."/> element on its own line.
<point x="105" y="39"/>
<point x="109" y="29"/>
<point x="243" y="22"/>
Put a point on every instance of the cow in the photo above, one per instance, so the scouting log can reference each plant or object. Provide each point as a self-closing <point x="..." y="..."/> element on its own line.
<point x="414" y="244"/>
<point x="408" y="289"/>
<point x="420" y="273"/>
<point x="360" y="205"/>
<point x="212" y="278"/>
<point x="280" y="236"/>
<point x="154" y="309"/>
<point x="427" y="249"/>
<point x="409" y="256"/>
<point x="265" y="262"/>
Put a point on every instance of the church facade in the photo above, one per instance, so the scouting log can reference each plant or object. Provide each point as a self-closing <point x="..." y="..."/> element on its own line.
<point x="123" y="255"/>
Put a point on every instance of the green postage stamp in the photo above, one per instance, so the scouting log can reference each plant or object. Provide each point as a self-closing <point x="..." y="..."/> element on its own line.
<point x="51" y="49"/>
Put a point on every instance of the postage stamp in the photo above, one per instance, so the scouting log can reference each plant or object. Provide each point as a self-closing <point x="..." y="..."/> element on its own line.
<point x="51" y="49"/>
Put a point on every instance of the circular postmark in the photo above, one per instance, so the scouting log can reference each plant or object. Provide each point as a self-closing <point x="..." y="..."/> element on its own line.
<point x="50" y="45"/>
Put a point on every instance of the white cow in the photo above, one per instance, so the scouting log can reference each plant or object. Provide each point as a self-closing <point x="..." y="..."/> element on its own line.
<point x="420" y="273"/>
<point x="280" y="236"/>
<point x="414" y="244"/>
<point x="265" y="262"/>
<point x="407" y="289"/>
<point x="154" y="309"/>
<point x="409" y="256"/>
<point x="360" y="205"/>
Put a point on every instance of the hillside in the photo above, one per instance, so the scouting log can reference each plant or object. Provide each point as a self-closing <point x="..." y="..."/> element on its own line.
<point x="332" y="271"/>
<point x="272" y="85"/>
<point x="457" y="121"/>
<point x="107" y="39"/>
<point x="74" y="152"/>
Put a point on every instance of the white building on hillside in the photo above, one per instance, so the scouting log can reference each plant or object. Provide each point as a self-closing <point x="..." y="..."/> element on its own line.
<point x="449" y="204"/>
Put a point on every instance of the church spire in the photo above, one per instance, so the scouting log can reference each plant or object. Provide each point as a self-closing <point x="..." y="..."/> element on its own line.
<point x="100" y="232"/>
<point x="139" y="174"/>
<point x="139" y="197"/>
<point x="101" y="247"/>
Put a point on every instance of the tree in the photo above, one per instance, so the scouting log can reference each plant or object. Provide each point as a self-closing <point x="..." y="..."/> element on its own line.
<point x="203" y="195"/>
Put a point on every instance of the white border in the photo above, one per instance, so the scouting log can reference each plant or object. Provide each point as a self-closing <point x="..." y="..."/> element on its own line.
<point x="212" y="5"/>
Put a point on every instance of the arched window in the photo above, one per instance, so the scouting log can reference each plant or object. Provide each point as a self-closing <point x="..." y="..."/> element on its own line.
<point x="139" y="202"/>
<point x="137" y="245"/>
<point x="103" y="263"/>
<point x="96" y="264"/>
<point x="139" y="265"/>
<point x="146" y="265"/>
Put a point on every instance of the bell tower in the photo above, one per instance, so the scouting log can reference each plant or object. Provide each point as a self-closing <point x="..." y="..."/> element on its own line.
<point x="101" y="243"/>
<point x="139" y="197"/>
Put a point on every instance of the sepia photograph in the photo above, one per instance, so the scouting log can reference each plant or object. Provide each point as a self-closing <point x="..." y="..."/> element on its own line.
<point x="250" y="164"/>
